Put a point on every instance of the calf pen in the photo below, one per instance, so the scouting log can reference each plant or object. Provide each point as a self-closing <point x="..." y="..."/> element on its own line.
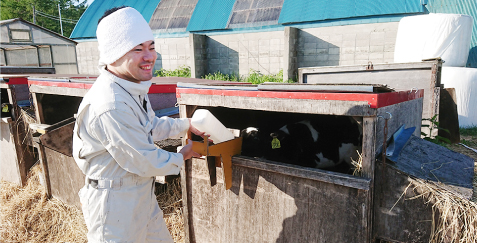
<point x="276" y="202"/>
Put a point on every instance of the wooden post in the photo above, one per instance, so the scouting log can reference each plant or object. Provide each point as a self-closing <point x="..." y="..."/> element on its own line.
<point x="186" y="112"/>
<point x="368" y="166"/>
<point x="38" y="107"/>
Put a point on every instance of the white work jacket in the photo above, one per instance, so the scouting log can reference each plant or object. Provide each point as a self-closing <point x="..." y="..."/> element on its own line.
<point x="115" y="135"/>
<point x="113" y="146"/>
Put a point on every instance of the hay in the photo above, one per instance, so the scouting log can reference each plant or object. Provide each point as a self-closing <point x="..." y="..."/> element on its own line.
<point x="474" y="195"/>
<point x="169" y="197"/>
<point x="455" y="218"/>
<point x="358" y="165"/>
<point x="28" y="216"/>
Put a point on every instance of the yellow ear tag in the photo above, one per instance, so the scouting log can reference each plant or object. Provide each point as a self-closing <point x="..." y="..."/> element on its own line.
<point x="275" y="143"/>
<point x="5" y="108"/>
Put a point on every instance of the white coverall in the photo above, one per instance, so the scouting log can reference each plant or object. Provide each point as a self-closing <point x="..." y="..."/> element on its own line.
<point x="113" y="146"/>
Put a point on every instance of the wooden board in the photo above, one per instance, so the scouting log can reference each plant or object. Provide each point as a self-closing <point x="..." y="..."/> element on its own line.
<point x="406" y="113"/>
<point x="397" y="219"/>
<point x="63" y="174"/>
<point x="60" y="139"/>
<point x="78" y="92"/>
<point x="400" y="76"/>
<point x="273" y="202"/>
<point x="65" y="177"/>
<point x="9" y="167"/>
<point x="16" y="130"/>
<point x="351" y="108"/>
<point x="449" y="118"/>
<point x="242" y="207"/>
<point x="17" y="156"/>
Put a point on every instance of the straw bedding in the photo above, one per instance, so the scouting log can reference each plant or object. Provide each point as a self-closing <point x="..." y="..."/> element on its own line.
<point x="169" y="197"/>
<point x="455" y="218"/>
<point x="28" y="216"/>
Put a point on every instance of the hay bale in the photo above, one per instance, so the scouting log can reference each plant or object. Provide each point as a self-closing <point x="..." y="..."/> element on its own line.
<point x="27" y="215"/>
<point x="455" y="218"/>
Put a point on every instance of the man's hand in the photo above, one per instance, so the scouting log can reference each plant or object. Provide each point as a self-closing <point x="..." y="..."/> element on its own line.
<point x="196" y="131"/>
<point x="187" y="151"/>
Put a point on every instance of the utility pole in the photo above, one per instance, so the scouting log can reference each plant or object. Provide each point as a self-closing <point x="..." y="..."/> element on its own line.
<point x="34" y="15"/>
<point x="61" y="24"/>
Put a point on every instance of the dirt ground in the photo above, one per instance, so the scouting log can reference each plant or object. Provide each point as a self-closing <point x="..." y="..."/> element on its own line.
<point x="471" y="142"/>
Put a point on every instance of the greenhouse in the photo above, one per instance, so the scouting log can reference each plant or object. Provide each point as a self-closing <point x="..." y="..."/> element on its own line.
<point x="25" y="45"/>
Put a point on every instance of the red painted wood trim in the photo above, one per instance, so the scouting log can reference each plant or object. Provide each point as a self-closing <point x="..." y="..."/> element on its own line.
<point x="60" y="84"/>
<point x="374" y="100"/>
<point x="19" y="80"/>
<point x="162" y="88"/>
<point x="155" y="89"/>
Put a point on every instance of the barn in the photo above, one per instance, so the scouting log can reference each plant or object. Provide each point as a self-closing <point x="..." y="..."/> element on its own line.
<point x="240" y="35"/>
<point x="237" y="36"/>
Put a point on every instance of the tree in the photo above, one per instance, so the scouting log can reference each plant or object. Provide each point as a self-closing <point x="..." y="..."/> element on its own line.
<point x="47" y="12"/>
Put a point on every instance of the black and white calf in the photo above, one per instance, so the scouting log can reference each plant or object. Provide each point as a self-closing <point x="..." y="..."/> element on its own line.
<point x="325" y="142"/>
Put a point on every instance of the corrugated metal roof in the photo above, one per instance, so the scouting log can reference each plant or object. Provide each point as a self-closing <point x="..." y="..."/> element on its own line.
<point x="294" y="11"/>
<point x="468" y="7"/>
<point x="210" y="15"/>
<point x="86" y="26"/>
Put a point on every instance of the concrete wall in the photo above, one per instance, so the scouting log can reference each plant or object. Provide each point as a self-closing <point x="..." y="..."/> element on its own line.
<point x="238" y="53"/>
<point x="347" y="45"/>
<point x="172" y="53"/>
<point x="87" y="54"/>
<point x="268" y="52"/>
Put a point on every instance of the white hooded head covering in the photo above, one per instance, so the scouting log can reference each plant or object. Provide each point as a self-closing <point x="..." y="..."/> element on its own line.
<point x="120" y="32"/>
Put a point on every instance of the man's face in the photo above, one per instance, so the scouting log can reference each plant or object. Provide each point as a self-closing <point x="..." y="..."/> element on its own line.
<point x="137" y="64"/>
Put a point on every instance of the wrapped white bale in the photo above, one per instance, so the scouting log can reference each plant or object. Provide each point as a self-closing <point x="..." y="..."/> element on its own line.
<point x="464" y="81"/>
<point x="434" y="35"/>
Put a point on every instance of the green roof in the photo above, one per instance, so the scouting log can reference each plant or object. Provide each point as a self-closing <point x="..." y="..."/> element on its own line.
<point x="86" y="26"/>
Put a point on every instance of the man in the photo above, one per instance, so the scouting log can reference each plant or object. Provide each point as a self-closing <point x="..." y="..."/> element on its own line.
<point x="114" y="134"/>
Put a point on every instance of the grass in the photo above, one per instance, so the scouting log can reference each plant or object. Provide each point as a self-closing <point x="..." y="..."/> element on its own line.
<point x="468" y="131"/>
<point x="182" y="71"/>
<point x="254" y="76"/>
<point x="220" y="76"/>
<point x="468" y="136"/>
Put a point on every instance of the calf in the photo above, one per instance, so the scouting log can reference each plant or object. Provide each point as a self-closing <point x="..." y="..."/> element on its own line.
<point x="325" y="142"/>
